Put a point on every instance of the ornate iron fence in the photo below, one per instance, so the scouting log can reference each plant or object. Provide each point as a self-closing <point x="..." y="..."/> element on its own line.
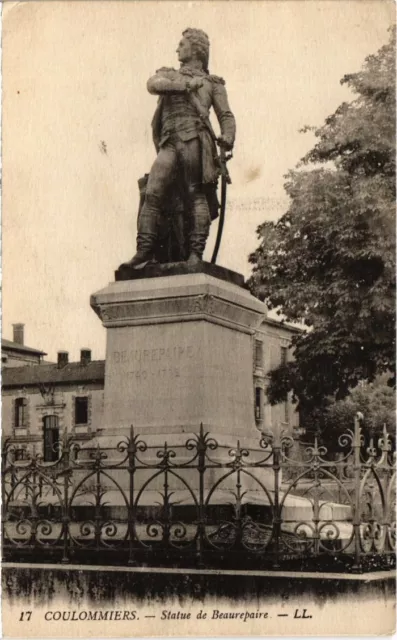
<point x="203" y="504"/>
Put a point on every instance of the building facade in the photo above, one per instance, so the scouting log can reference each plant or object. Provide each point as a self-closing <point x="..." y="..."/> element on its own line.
<point x="271" y="348"/>
<point x="43" y="403"/>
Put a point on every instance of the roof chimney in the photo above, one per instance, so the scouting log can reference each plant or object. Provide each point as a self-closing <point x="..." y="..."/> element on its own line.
<point x="18" y="333"/>
<point x="85" y="356"/>
<point x="63" y="359"/>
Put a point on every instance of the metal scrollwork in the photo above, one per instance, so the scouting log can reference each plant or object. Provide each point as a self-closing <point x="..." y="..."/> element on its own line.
<point x="201" y="500"/>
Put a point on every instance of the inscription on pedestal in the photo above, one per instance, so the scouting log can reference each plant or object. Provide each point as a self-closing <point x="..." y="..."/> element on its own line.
<point x="152" y="355"/>
<point x="151" y="364"/>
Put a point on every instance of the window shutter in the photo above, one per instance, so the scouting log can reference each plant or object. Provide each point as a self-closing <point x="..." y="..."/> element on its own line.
<point x="20" y="412"/>
<point x="81" y="410"/>
<point x="258" y="403"/>
<point x="258" y="354"/>
<point x="51" y="438"/>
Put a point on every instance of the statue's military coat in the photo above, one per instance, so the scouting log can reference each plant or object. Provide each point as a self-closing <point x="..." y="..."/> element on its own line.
<point x="188" y="122"/>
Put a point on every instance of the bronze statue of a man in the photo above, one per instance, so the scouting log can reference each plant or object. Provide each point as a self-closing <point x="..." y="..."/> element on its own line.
<point x="187" y="154"/>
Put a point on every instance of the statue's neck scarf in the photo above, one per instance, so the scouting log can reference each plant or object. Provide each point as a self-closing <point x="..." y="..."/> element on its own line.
<point x="187" y="70"/>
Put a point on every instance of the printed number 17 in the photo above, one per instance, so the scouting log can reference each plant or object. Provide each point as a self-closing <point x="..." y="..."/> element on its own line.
<point x="25" y="616"/>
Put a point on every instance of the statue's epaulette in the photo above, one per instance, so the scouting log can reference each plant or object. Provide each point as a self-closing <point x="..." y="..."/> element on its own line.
<point x="216" y="79"/>
<point x="165" y="69"/>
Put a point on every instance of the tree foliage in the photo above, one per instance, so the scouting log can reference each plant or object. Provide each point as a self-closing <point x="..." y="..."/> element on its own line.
<point x="329" y="262"/>
<point x="376" y="401"/>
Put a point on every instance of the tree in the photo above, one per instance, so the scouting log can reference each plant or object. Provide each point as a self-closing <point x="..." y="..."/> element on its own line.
<point x="329" y="261"/>
<point x="376" y="401"/>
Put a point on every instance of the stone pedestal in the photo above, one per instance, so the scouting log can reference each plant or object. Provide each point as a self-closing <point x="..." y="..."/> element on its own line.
<point x="180" y="353"/>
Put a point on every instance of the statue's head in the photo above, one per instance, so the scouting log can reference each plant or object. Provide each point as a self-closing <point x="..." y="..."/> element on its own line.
<point x="194" y="44"/>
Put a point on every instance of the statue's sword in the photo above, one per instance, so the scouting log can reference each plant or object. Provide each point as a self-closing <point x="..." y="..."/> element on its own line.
<point x="225" y="180"/>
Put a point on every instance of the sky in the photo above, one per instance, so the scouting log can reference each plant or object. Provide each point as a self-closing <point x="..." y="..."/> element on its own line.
<point x="76" y="133"/>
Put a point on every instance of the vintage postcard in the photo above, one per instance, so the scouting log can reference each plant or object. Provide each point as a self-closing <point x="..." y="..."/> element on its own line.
<point x="198" y="318"/>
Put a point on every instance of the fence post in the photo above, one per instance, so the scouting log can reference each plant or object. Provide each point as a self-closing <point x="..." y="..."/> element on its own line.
<point x="315" y="463"/>
<point x="32" y="489"/>
<point x="201" y="450"/>
<point x="4" y="456"/>
<point x="276" y="509"/>
<point x="385" y="471"/>
<point x="66" y="508"/>
<point x="357" y="492"/>
<point x="132" y="447"/>
<point x="167" y="506"/>
<point x="98" y="497"/>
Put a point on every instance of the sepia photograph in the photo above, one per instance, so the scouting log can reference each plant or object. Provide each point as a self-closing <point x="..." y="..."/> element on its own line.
<point x="198" y="318"/>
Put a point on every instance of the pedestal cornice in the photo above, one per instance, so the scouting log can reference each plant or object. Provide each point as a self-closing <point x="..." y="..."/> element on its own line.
<point x="181" y="298"/>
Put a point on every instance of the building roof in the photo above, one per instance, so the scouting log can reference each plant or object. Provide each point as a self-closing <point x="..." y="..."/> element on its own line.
<point x="74" y="372"/>
<point x="21" y="348"/>
<point x="284" y="325"/>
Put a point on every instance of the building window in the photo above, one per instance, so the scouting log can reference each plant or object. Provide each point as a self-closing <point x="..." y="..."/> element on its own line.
<point x="258" y="403"/>
<point x="284" y="361"/>
<point x="258" y="354"/>
<point x="81" y="410"/>
<point x="286" y="410"/>
<point x="51" y="438"/>
<point x="19" y="454"/>
<point x="20" y="412"/>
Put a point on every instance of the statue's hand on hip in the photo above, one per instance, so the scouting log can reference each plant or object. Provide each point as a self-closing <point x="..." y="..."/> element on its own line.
<point x="225" y="142"/>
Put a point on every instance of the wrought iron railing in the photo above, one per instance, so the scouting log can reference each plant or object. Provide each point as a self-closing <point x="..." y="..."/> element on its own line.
<point x="203" y="504"/>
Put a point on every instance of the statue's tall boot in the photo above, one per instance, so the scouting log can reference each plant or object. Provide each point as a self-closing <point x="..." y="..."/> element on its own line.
<point x="200" y="229"/>
<point x="147" y="233"/>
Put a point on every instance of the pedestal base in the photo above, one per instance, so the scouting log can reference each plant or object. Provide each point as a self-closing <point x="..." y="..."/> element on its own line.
<point x="179" y="353"/>
<point x="157" y="270"/>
